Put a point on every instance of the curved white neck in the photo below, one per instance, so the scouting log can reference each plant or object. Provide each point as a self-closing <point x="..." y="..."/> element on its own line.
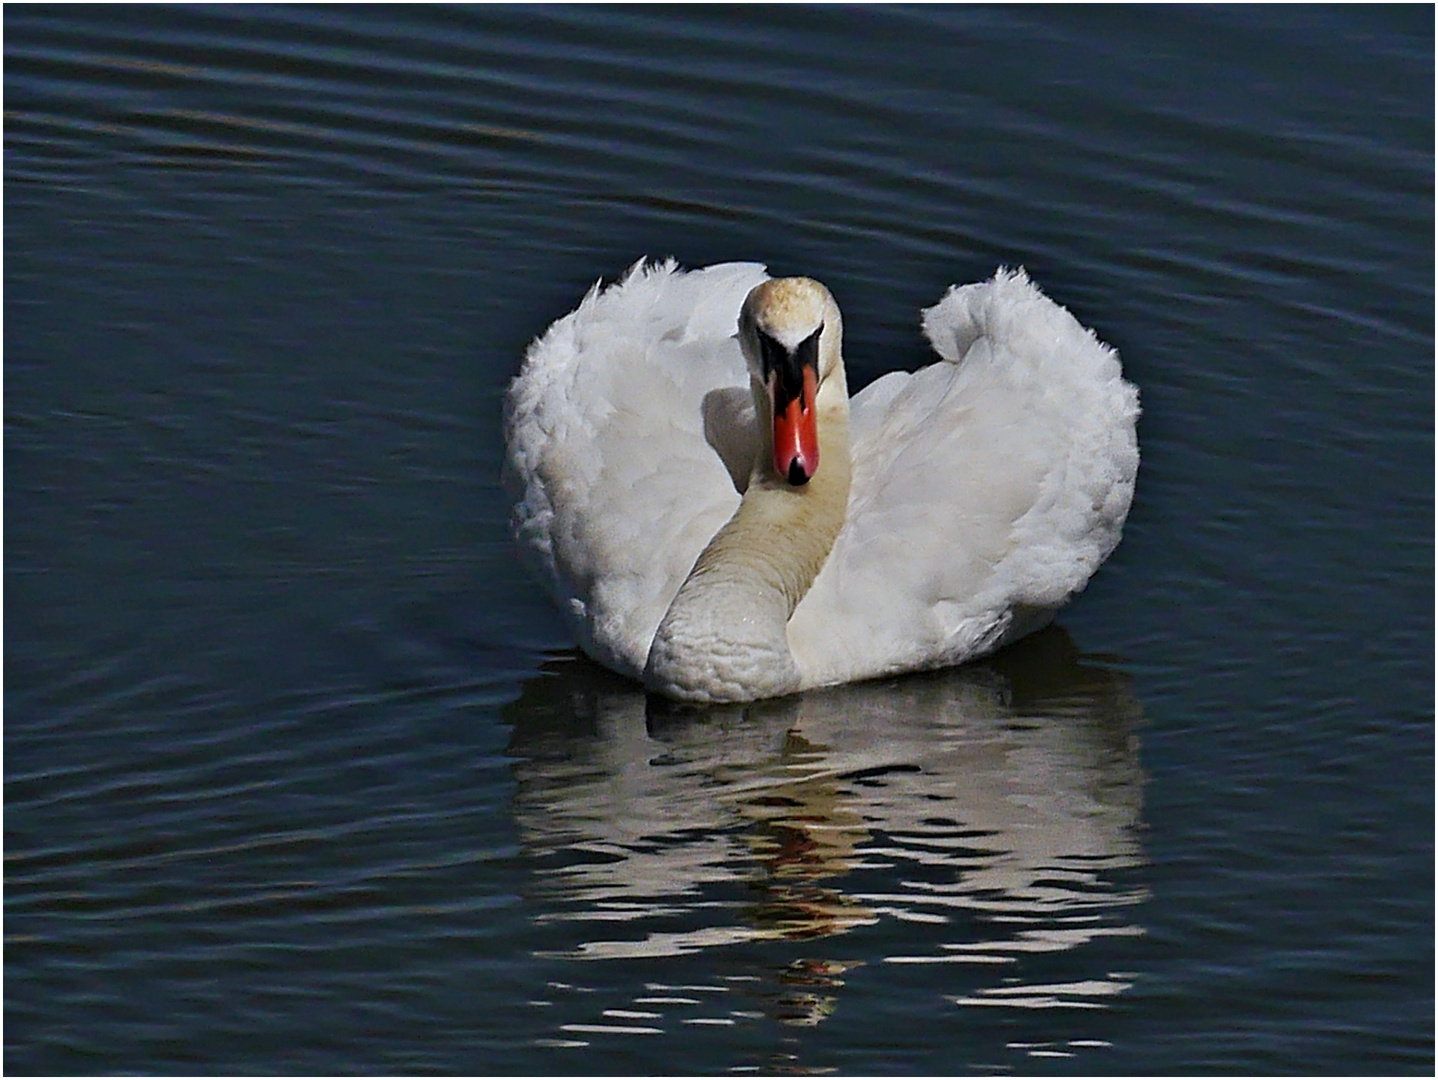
<point x="724" y="637"/>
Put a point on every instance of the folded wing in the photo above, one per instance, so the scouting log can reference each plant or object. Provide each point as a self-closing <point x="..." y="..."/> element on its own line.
<point x="626" y="430"/>
<point x="987" y="490"/>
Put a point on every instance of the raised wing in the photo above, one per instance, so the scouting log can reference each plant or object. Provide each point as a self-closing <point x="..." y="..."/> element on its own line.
<point x="618" y="427"/>
<point x="987" y="489"/>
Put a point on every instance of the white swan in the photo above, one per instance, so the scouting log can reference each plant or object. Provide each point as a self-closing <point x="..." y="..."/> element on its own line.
<point x="729" y="538"/>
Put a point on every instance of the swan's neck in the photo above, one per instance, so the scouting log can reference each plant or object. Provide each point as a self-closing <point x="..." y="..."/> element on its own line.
<point x="724" y="637"/>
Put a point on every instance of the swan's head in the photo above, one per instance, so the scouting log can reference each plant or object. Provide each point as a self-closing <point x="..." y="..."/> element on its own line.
<point x="790" y="332"/>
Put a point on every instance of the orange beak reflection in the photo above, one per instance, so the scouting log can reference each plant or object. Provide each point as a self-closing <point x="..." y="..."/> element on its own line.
<point x="796" y="431"/>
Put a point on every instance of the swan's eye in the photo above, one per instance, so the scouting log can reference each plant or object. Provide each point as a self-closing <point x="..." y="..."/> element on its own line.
<point x="807" y="351"/>
<point x="772" y="356"/>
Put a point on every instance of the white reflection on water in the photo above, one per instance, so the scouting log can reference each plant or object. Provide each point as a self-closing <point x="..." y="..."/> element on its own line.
<point x="971" y="817"/>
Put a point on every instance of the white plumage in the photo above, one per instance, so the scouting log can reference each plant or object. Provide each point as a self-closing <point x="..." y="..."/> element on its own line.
<point x="987" y="488"/>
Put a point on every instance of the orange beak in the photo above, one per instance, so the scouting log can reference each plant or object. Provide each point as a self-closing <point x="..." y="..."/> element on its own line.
<point x="796" y="432"/>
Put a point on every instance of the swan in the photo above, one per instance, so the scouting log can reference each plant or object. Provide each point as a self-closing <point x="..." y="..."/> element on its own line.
<point x="716" y="519"/>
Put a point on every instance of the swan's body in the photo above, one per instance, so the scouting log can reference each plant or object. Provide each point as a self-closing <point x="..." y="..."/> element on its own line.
<point x="727" y="537"/>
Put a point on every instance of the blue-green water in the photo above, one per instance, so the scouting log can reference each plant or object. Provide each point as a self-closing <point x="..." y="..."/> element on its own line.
<point x="300" y="772"/>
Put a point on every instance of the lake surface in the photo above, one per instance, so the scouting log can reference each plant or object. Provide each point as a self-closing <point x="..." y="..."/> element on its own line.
<point x="301" y="773"/>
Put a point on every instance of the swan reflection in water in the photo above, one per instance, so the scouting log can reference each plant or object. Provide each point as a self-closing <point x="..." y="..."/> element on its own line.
<point x="975" y="816"/>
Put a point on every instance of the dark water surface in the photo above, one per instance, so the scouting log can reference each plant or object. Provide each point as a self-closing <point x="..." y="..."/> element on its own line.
<point x="299" y="772"/>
